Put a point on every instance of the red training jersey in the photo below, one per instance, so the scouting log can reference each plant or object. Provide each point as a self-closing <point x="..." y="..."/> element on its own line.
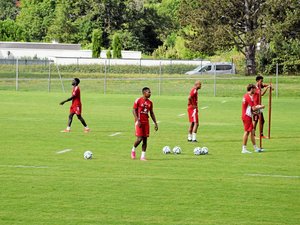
<point x="247" y="105"/>
<point x="257" y="96"/>
<point x="143" y="107"/>
<point x="194" y="98"/>
<point x="76" y="96"/>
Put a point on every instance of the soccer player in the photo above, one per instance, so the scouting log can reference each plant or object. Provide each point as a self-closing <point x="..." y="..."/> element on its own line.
<point x="247" y="111"/>
<point x="257" y="101"/>
<point x="75" y="107"/>
<point x="193" y="112"/>
<point x="141" y="107"/>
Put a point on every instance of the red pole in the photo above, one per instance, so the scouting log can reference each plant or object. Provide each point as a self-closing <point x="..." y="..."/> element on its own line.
<point x="270" y="110"/>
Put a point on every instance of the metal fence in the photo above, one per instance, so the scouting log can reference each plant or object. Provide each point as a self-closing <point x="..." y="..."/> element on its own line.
<point x="163" y="79"/>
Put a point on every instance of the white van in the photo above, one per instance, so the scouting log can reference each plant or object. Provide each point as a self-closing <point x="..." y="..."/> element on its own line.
<point x="212" y="68"/>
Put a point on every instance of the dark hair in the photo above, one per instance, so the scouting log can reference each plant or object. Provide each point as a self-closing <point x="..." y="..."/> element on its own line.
<point x="250" y="86"/>
<point x="77" y="80"/>
<point x="145" y="89"/>
<point x="259" y="77"/>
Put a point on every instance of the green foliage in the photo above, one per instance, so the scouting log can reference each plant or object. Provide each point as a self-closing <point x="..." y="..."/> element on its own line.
<point x="35" y="18"/>
<point x="97" y="42"/>
<point x="11" y="31"/>
<point x="8" y="10"/>
<point x="174" y="47"/>
<point x="117" y="46"/>
<point x="284" y="52"/>
<point x="108" y="53"/>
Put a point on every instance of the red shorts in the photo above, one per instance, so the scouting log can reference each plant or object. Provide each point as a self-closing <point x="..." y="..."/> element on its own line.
<point x="143" y="130"/>
<point x="75" y="109"/>
<point x="193" y="115"/>
<point x="248" y="125"/>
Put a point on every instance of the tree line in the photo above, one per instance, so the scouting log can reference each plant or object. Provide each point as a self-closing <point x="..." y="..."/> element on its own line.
<point x="266" y="32"/>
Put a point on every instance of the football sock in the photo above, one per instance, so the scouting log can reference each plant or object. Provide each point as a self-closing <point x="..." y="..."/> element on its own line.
<point x="194" y="137"/>
<point x="189" y="137"/>
<point x="244" y="147"/>
<point x="143" y="154"/>
<point x="68" y="128"/>
<point x="255" y="147"/>
<point x="133" y="149"/>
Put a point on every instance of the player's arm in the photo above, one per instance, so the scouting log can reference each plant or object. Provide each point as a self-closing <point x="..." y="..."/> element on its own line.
<point x="267" y="86"/>
<point x="136" y="118"/>
<point x="67" y="100"/>
<point x="154" y="119"/>
<point x="257" y="107"/>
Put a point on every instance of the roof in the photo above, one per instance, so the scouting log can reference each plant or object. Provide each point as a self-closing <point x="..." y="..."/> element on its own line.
<point x="36" y="45"/>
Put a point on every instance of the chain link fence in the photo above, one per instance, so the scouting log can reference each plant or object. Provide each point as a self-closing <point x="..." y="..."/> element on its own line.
<point x="105" y="78"/>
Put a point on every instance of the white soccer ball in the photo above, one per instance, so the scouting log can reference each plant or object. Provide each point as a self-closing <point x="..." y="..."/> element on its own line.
<point x="197" y="151"/>
<point x="166" y="150"/>
<point x="88" y="155"/>
<point x="204" y="150"/>
<point x="176" y="150"/>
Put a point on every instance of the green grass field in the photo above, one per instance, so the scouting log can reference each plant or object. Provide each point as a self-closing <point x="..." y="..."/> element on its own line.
<point x="39" y="186"/>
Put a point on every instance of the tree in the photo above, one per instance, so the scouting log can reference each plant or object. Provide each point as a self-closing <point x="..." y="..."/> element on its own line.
<point x="8" y="10"/>
<point x="280" y="41"/>
<point x="97" y="42"/>
<point x="10" y="31"/>
<point x="223" y="24"/>
<point x="116" y="46"/>
<point x="35" y="18"/>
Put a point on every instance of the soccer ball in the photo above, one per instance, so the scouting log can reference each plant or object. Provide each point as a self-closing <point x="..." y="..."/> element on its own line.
<point x="204" y="150"/>
<point x="197" y="151"/>
<point x="88" y="155"/>
<point x="176" y="150"/>
<point x="166" y="150"/>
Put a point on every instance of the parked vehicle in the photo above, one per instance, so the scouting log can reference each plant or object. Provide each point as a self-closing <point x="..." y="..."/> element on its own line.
<point x="214" y="68"/>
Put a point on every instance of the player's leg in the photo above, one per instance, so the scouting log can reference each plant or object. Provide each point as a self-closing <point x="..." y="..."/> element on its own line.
<point x="262" y="125"/>
<point x="255" y="122"/>
<point x="196" y="125"/>
<point x="247" y="130"/>
<point x="144" y="148"/>
<point x="138" y="134"/>
<point x="135" y="145"/>
<point x="78" y="110"/>
<point x="70" y="119"/>
<point x="190" y="131"/>
<point x="86" y="128"/>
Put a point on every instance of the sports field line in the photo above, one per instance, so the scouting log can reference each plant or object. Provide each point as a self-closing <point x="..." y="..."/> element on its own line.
<point x="63" y="151"/>
<point x="182" y="114"/>
<point x="156" y="122"/>
<point x="22" y="166"/>
<point x="115" y="134"/>
<point x="205" y="107"/>
<point x="270" y="175"/>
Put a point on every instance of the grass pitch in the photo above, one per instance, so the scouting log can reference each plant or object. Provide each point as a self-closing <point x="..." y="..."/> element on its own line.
<point x="40" y="186"/>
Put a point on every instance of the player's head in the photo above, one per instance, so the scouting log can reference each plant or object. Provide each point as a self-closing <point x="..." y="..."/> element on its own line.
<point x="75" y="81"/>
<point x="146" y="92"/>
<point x="259" y="79"/>
<point x="251" y="88"/>
<point x="198" y="84"/>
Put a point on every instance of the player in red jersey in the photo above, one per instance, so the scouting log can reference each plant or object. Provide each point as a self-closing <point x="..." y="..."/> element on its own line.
<point x="142" y="106"/>
<point x="193" y="112"/>
<point x="75" y="107"/>
<point x="248" y="108"/>
<point x="257" y="101"/>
